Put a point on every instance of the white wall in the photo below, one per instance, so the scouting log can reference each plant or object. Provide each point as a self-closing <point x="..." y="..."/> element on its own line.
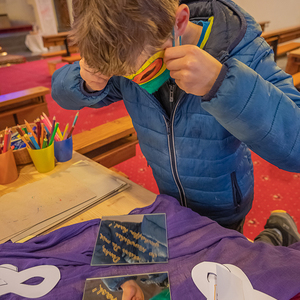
<point x="69" y="3"/>
<point x="280" y="13"/>
<point x="19" y="12"/>
<point x="2" y="6"/>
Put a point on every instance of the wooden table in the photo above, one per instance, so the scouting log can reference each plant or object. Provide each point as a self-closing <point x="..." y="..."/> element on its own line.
<point x="120" y="204"/>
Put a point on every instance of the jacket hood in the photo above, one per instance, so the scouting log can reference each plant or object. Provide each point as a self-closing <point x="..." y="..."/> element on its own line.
<point x="232" y="26"/>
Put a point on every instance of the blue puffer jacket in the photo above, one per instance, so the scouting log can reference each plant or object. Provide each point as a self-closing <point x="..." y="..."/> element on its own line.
<point x="200" y="154"/>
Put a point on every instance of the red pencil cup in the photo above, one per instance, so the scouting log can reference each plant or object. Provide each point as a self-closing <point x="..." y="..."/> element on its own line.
<point x="8" y="168"/>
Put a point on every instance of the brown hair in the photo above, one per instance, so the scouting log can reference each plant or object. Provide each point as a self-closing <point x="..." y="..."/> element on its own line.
<point x="111" y="34"/>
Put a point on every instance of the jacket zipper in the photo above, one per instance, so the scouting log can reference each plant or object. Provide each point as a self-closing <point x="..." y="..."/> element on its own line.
<point x="170" y="131"/>
<point x="171" y="100"/>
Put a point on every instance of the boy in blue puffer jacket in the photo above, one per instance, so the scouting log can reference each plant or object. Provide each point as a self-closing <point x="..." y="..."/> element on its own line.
<point x="201" y="87"/>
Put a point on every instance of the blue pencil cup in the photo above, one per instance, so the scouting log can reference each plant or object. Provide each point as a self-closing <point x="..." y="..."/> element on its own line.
<point x="63" y="150"/>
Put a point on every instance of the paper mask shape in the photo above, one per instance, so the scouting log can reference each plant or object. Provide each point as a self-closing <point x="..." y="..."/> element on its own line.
<point x="153" y="73"/>
<point x="12" y="281"/>
<point x="225" y="282"/>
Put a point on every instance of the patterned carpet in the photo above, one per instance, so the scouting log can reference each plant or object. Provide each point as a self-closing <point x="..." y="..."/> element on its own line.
<point x="274" y="188"/>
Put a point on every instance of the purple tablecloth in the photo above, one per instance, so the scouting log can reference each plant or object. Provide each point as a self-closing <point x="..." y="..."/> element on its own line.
<point x="192" y="239"/>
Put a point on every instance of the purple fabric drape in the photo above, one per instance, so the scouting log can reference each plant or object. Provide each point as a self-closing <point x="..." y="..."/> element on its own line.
<point x="192" y="239"/>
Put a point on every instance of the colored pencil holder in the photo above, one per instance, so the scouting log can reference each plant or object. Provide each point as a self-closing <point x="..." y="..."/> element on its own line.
<point x="63" y="150"/>
<point x="43" y="159"/>
<point x="8" y="168"/>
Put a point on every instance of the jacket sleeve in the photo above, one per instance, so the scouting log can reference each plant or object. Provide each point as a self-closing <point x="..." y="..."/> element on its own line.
<point x="68" y="91"/>
<point x="259" y="105"/>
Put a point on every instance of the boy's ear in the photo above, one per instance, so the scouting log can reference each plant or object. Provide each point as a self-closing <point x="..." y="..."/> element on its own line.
<point x="182" y="19"/>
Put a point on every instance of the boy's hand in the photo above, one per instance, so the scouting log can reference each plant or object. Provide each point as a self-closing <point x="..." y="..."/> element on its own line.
<point x="194" y="70"/>
<point x="131" y="291"/>
<point x="93" y="81"/>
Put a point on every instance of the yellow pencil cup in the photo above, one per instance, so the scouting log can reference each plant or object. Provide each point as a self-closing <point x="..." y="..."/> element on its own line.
<point x="43" y="159"/>
<point x="8" y="168"/>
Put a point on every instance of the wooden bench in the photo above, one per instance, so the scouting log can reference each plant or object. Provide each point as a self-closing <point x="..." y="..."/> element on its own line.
<point x="296" y="79"/>
<point x="26" y="104"/>
<point x="59" y="39"/>
<point x="293" y="66"/>
<point x="71" y="59"/>
<point x="293" y="62"/>
<point x="277" y="37"/>
<point x="52" y="64"/>
<point x="284" y="49"/>
<point x="108" y="144"/>
<point x="10" y="59"/>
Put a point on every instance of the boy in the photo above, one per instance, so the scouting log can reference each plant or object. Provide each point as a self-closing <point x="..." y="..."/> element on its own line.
<point x="199" y="109"/>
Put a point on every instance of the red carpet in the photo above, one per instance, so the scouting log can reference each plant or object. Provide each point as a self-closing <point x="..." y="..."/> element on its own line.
<point x="274" y="188"/>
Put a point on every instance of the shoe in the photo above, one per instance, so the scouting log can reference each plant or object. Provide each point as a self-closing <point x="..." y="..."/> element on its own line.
<point x="282" y="221"/>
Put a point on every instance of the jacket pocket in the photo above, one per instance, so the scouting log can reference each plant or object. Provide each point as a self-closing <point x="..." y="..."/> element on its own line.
<point x="236" y="192"/>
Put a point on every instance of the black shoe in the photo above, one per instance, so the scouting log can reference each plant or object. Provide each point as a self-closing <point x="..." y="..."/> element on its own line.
<point x="281" y="220"/>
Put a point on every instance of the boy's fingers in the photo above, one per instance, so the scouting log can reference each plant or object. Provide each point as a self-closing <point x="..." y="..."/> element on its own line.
<point x="173" y="53"/>
<point x="176" y="52"/>
<point x="176" y="74"/>
<point x="178" y="64"/>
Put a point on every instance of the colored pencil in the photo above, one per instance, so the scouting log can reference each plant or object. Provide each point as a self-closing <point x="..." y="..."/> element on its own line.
<point x="53" y="125"/>
<point x="9" y="139"/>
<point x="47" y="127"/>
<point x="58" y="136"/>
<point x="59" y="133"/>
<point x="1" y="141"/>
<point x="34" y="142"/>
<point x="29" y="141"/>
<point x="53" y="134"/>
<point x="70" y="133"/>
<point x="38" y="131"/>
<point x="5" y="143"/>
<point x="75" y="119"/>
<point x="30" y="130"/>
<point x="58" y="130"/>
<point x="47" y="119"/>
<point x="48" y="124"/>
<point x="19" y="129"/>
<point x="65" y="131"/>
<point x="42" y="133"/>
<point x="45" y="142"/>
<point x="24" y="140"/>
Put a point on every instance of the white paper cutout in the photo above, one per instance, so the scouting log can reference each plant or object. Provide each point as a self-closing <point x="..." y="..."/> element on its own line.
<point x="11" y="281"/>
<point x="225" y="282"/>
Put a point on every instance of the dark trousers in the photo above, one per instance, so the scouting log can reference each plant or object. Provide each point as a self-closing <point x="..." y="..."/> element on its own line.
<point x="267" y="236"/>
<point x="238" y="226"/>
